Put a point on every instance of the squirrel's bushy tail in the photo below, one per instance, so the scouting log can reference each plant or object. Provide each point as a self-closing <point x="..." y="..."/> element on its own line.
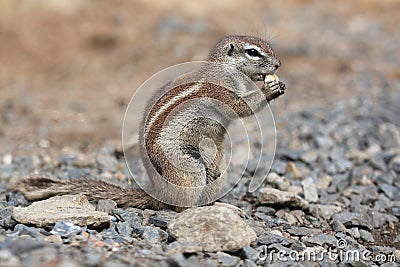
<point x="37" y="188"/>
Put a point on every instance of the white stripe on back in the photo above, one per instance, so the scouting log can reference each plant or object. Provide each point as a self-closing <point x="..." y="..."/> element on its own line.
<point x="172" y="101"/>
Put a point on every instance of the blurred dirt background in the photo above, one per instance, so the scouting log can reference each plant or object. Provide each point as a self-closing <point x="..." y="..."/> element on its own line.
<point x="68" y="67"/>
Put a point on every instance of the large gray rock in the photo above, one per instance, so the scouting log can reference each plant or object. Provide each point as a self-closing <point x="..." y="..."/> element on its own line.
<point x="73" y="208"/>
<point x="275" y="197"/>
<point x="213" y="228"/>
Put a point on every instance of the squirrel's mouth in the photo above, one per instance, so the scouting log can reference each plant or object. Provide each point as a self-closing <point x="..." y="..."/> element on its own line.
<point x="260" y="76"/>
<point x="264" y="76"/>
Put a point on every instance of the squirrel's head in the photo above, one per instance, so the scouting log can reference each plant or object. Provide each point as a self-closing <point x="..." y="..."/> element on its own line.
<point x="251" y="55"/>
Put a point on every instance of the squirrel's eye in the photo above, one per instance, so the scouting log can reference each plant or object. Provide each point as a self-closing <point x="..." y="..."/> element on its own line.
<point x="252" y="52"/>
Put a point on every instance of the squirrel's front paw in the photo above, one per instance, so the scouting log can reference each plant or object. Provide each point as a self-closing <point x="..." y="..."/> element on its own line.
<point x="274" y="88"/>
<point x="282" y="87"/>
<point x="212" y="174"/>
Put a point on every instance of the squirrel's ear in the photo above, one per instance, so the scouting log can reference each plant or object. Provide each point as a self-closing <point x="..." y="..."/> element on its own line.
<point x="230" y="49"/>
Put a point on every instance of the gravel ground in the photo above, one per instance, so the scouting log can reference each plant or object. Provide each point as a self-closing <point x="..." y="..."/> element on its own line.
<point x="339" y="166"/>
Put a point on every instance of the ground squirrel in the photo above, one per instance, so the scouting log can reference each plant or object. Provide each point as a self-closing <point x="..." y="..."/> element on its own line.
<point x="184" y="113"/>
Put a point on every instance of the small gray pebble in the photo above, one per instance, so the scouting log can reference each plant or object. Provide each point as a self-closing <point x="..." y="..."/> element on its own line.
<point x="321" y="240"/>
<point x="132" y="218"/>
<point x="396" y="167"/>
<point x="180" y="260"/>
<point x="249" y="253"/>
<point x="267" y="210"/>
<point x="115" y="264"/>
<point x="310" y="157"/>
<point x="355" y="219"/>
<point x="124" y="228"/>
<point x="93" y="259"/>
<point x="366" y="236"/>
<point x="106" y="163"/>
<point x="303" y="231"/>
<point x="262" y="216"/>
<point x="324" y="141"/>
<point x="106" y="205"/>
<point x="154" y="234"/>
<point x="378" y="163"/>
<point x="298" y="246"/>
<point x="25" y="230"/>
<point x="279" y="167"/>
<point x="396" y="211"/>
<point x="343" y="165"/>
<point x="390" y="191"/>
<point x="66" y="160"/>
<point x="273" y="239"/>
<point x="6" y="220"/>
<point x="227" y="260"/>
<point x="249" y="263"/>
<point x="338" y="226"/>
<point x="65" y="228"/>
<point x="383" y="250"/>
<point x="355" y="232"/>
<point x="20" y="246"/>
<point x="162" y="218"/>
<point x="396" y="241"/>
<point x="290" y="154"/>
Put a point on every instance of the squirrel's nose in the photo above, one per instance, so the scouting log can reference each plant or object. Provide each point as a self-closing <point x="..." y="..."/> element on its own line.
<point x="277" y="63"/>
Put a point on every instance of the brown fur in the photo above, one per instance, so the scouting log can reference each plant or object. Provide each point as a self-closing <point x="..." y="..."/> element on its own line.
<point x="156" y="157"/>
